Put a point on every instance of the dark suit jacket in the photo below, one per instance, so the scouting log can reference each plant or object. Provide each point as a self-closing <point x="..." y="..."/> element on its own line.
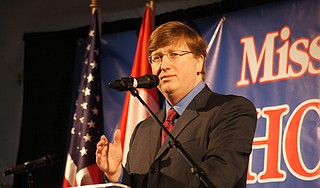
<point x="216" y="131"/>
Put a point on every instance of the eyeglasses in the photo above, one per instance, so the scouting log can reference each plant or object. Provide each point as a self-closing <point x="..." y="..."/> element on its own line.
<point x="172" y="56"/>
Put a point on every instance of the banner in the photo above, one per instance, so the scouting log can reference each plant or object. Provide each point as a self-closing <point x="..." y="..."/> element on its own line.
<point x="269" y="54"/>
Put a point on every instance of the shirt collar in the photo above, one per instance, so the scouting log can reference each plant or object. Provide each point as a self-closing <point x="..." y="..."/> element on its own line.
<point x="185" y="101"/>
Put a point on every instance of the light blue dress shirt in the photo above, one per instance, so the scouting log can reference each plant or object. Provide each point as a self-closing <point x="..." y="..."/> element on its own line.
<point x="183" y="103"/>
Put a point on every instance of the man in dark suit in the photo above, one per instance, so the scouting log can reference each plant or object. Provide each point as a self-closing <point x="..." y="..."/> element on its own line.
<point x="215" y="130"/>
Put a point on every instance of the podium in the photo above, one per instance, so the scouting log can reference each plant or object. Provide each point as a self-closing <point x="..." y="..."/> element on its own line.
<point x="104" y="185"/>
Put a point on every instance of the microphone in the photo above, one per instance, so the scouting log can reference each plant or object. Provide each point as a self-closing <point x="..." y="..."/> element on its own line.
<point x="125" y="83"/>
<point x="30" y="165"/>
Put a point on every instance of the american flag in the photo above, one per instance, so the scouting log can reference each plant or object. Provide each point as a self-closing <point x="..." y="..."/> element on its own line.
<point x="87" y="128"/>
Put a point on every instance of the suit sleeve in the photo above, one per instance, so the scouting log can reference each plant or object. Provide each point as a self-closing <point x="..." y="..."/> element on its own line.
<point x="230" y="143"/>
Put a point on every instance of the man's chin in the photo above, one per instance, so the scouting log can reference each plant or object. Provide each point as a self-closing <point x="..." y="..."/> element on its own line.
<point x="166" y="89"/>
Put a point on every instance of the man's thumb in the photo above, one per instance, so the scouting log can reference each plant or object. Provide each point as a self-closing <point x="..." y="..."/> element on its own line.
<point x="117" y="137"/>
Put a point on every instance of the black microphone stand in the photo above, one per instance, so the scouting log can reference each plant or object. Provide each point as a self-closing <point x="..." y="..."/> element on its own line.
<point x="29" y="178"/>
<point x="174" y="142"/>
<point x="29" y="167"/>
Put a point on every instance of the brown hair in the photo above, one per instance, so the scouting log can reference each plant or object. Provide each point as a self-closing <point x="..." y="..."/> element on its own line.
<point x="173" y="32"/>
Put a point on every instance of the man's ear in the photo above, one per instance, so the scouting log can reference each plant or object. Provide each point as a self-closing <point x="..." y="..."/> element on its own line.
<point x="200" y="63"/>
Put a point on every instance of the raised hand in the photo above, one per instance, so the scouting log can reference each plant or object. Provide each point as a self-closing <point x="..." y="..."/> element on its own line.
<point x="109" y="156"/>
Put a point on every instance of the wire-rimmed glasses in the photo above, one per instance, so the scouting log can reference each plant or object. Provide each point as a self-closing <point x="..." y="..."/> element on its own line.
<point x="173" y="55"/>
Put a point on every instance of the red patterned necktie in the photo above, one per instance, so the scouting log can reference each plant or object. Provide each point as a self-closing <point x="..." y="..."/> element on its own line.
<point x="168" y="123"/>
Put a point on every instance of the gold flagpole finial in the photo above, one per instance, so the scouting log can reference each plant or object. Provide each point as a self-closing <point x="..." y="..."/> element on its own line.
<point x="94" y="4"/>
<point x="223" y="18"/>
<point x="151" y="4"/>
<point x="152" y="8"/>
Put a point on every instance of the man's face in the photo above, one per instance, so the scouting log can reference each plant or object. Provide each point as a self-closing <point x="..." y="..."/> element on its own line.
<point x="177" y="77"/>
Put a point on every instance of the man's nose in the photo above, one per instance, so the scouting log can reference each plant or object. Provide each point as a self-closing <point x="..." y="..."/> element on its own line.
<point x="165" y="61"/>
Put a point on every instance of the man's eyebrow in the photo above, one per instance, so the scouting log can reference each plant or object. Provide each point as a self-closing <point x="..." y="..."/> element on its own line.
<point x="156" y="53"/>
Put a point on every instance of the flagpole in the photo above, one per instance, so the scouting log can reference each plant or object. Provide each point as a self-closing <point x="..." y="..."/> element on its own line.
<point x="152" y="8"/>
<point x="95" y="6"/>
<point x="215" y="32"/>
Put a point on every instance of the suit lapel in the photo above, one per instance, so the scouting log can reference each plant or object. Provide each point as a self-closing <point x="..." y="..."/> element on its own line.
<point x="155" y="135"/>
<point x="183" y="121"/>
<point x="186" y="118"/>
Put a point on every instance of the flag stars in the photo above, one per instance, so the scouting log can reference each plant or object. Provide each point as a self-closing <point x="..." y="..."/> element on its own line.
<point x="95" y="111"/>
<point x="81" y="119"/>
<point x="93" y="65"/>
<point x="90" y="78"/>
<point x="84" y="105"/>
<point x="86" y="92"/>
<point x="89" y="47"/>
<point x="98" y="98"/>
<point x="73" y="130"/>
<point x="83" y="151"/>
<point x="91" y="33"/>
<point x="96" y="52"/>
<point x="91" y="124"/>
<point x="87" y="137"/>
